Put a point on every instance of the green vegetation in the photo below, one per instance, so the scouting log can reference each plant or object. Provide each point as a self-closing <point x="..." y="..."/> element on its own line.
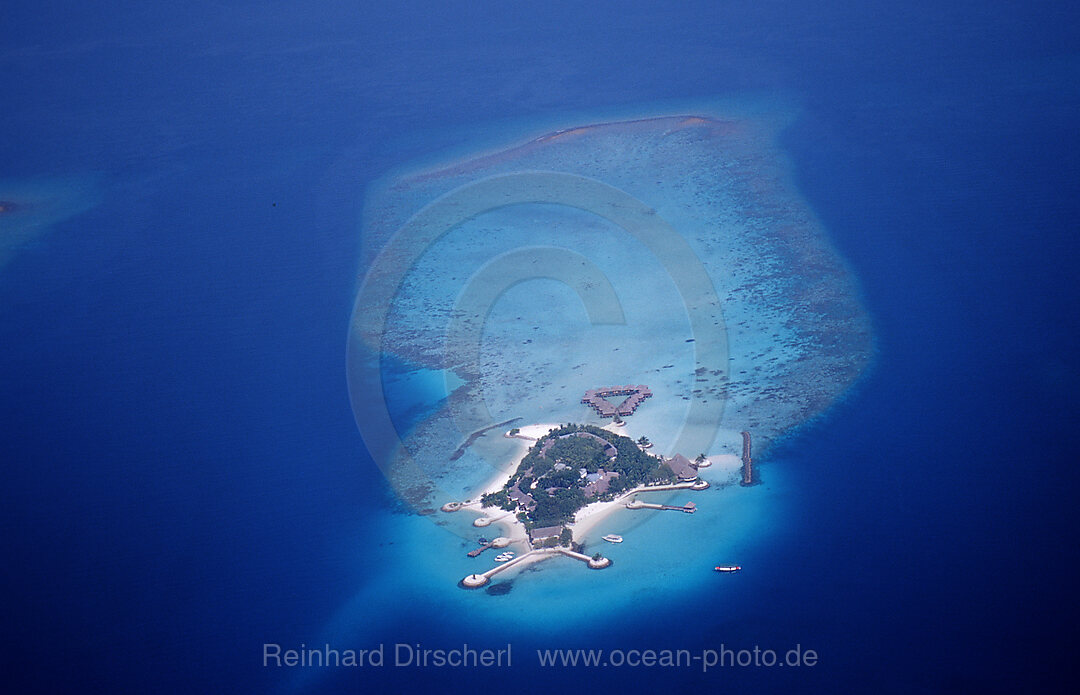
<point x="498" y="499"/>
<point x="578" y="452"/>
<point x="551" y="472"/>
<point x="557" y="507"/>
<point x="514" y="431"/>
<point x="566" y="538"/>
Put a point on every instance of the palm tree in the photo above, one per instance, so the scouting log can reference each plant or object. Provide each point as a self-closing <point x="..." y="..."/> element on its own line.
<point x="700" y="458"/>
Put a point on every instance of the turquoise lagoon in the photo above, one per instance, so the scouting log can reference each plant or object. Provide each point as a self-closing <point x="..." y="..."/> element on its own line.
<point x="528" y="282"/>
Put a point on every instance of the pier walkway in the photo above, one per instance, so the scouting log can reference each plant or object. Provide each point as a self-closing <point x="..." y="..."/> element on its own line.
<point x="688" y="485"/>
<point x="689" y="507"/>
<point x="592" y="564"/>
<point x="475" y="581"/>
<point x="597" y="399"/>
<point x="484" y="521"/>
<point x="458" y="506"/>
<point x="497" y="543"/>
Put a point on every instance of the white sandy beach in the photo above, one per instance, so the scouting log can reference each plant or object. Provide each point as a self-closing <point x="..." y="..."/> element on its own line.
<point x="591" y="515"/>
<point x="584" y="520"/>
<point x="503" y="474"/>
<point x="723" y="468"/>
<point x="505" y="520"/>
<point x="536" y="431"/>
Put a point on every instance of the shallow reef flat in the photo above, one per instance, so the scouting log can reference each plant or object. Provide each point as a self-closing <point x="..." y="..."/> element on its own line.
<point x="574" y="259"/>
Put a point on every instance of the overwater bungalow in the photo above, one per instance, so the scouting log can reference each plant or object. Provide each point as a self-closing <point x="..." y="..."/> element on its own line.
<point x="682" y="467"/>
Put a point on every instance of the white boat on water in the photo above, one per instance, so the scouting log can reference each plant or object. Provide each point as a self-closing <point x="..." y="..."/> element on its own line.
<point x="504" y="557"/>
<point x="612" y="538"/>
<point x="727" y="568"/>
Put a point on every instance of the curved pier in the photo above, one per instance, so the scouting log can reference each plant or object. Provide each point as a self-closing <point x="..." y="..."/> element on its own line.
<point x="590" y="562"/>
<point x="479" y="579"/>
<point x="484" y="521"/>
<point x="458" y="506"/>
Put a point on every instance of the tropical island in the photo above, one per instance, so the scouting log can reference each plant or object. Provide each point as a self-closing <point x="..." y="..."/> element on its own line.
<point x="574" y="465"/>
<point x="569" y="478"/>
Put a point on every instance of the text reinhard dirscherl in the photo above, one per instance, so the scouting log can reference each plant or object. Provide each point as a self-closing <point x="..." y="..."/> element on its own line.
<point x="401" y="655"/>
<point x="418" y="656"/>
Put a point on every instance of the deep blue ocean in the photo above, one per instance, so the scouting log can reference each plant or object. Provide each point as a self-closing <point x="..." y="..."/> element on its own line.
<point x="183" y="479"/>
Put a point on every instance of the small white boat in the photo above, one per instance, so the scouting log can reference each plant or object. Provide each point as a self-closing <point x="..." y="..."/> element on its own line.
<point x="504" y="557"/>
<point x="612" y="538"/>
<point x="727" y="568"/>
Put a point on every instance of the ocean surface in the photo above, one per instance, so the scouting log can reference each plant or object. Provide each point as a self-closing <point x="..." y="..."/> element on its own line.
<point x="186" y="195"/>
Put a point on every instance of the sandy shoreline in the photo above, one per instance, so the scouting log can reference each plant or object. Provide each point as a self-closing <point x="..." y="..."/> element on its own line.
<point x="502" y="477"/>
<point x="589" y="516"/>
<point x="508" y="524"/>
<point x="536" y="431"/>
<point x="722" y="468"/>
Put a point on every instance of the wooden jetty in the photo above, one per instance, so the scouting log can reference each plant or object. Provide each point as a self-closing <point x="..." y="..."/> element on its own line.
<point x="689" y="507"/>
<point x="633" y="396"/>
<point x="479" y="579"/>
<point x="499" y="542"/>
<point x="477" y="551"/>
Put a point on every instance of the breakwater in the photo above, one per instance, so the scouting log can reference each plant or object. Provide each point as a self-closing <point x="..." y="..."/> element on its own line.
<point x="747" y="460"/>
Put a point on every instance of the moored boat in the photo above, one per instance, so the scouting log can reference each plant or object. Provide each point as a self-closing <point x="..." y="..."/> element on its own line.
<point x="727" y="568"/>
<point x="612" y="538"/>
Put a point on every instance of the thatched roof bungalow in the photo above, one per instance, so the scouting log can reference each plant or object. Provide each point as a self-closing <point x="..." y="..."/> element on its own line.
<point x="682" y="467"/>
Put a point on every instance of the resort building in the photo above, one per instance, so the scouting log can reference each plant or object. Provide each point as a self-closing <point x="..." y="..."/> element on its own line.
<point x="524" y="500"/>
<point x="682" y="467"/>
<point x="538" y="535"/>
<point x="598" y="483"/>
<point x="633" y="396"/>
